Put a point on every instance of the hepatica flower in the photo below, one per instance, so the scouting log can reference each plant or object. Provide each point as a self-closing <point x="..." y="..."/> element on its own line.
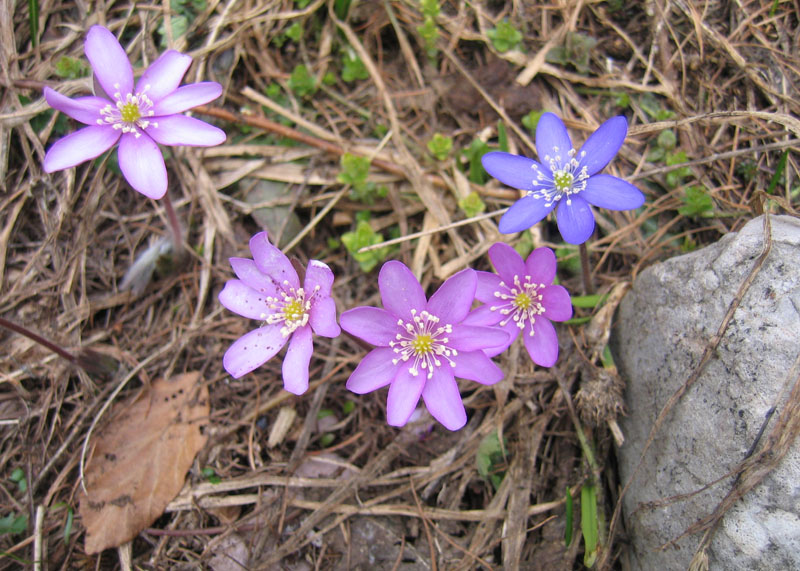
<point x="139" y="116"/>
<point x="522" y="300"/>
<point x="268" y="289"/>
<point x="564" y="179"/>
<point x="422" y="345"/>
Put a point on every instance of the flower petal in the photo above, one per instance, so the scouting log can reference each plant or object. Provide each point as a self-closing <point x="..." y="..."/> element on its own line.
<point x="174" y="130"/>
<point x="452" y="301"/>
<point x="318" y="274"/>
<point x="400" y="290"/>
<point x="164" y="75"/>
<point x="512" y="170"/>
<point x="476" y="366"/>
<point x="575" y="220"/>
<point x="252" y="350"/>
<point x="483" y="316"/>
<point x="242" y="300"/>
<point x="541" y="265"/>
<point x="404" y="395"/>
<point x="603" y="144"/>
<point x="507" y="262"/>
<point x="83" y="109"/>
<point x="247" y="271"/>
<point x="188" y="96"/>
<point x="542" y="346"/>
<point x="373" y="325"/>
<point x="524" y="213"/>
<point x="552" y="139"/>
<point x="83" y="145"/>
<point x="295" y="363"/>
<point x="513" y="331"/>
<point x="557" y="303"/>
<point x="141" y="162"/>
<point x="613" y="193"/>
<point x="443" y="400"/>
<point x="488" y="284"/>
<point x="109" y="61"/>
<point x="475" y="338"/>
<point x="375" y="371"/>
<point x="272" y="262"/>
<point x="322" y="317"/>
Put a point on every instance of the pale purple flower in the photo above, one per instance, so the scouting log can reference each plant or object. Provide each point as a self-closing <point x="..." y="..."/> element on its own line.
<point x="521" y="299"/>
<point x="422" y="345"/>
<point x="268" y="289"/>
<point x="565" y="179"/>
<point x="140" y="117"/>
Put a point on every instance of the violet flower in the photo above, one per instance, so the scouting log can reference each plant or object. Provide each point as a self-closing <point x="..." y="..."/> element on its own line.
<point x="422" y="345"/>
<point x="140" y="117"/>
<point x="564" y="178"/>
<point x="268" y="289"/>
<point x="520" y="298"/>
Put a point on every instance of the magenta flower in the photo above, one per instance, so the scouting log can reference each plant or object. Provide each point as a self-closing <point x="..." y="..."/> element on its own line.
<point x="139" y="117"/>
<point x="269" y="290"/>
<point x="520" y="298"/>
<point x="422" y="345"/>
<point x="564" y="178"/>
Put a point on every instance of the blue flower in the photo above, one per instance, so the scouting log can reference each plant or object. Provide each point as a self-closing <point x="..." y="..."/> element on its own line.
<point x="564" y="178"/>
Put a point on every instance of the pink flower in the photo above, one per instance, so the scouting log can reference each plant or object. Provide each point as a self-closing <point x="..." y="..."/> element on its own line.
<point x="268" y="289"/>
<point x="520" y="298"/>
<point x="140" y="117"/>
<point x="422" y="345"/>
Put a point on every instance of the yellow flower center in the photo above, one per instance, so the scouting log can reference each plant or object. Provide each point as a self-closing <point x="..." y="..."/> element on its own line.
<point x="562" y="180"/>
<point x="423" y="341"/>
<point x="130" y="113"/>
<point x="520" y="302"/>
<point x="291" y="308"/>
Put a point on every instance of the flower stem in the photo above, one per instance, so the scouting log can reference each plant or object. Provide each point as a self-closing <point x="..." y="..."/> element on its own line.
<point x="175" y="226"/>
<point x="588" y="286"/>
<point x="88" y="360"/>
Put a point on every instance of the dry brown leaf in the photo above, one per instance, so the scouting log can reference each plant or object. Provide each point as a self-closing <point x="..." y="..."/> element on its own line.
<point x="140" y="460"/>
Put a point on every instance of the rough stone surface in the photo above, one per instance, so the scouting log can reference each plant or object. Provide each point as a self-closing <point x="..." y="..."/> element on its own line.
<point x="662" y="327"/>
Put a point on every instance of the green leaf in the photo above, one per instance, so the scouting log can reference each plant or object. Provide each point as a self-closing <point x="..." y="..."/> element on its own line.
<point x="696" y="202"/>
<point x="13" y="524"/>
<point x="505" y="37"/>
<point x="491" y="458"/>
<point x="68" y="525"/>
<point x="440" y="146"/>
<point x="575" y="51"/>
<point x="667" y="139"/>
<point x="301" y="82"/>
<point x="294" y="32"/>
<point x="569" y="507"/>
<point x="33" y="21"/>
<point x="352" y="67"/>
<point x="502" y="137"/>
<point x="348" y="407"/>
<point x="472" y="205"/>
<point x="589" y="301"/>
<point x="474" y="152"/>
<point x="531" y="120"/>
<point x="773" y="183"/>
<point x="589" y="524"/>
<point x="430" y="8"/>
<point x="71" y="68"/>
<point x="210" y="475"/>
<point x="355" y="169"/>
<point x="18" y="476"/>
<point x="429" y="33"/>
<point x="365" y="236"/>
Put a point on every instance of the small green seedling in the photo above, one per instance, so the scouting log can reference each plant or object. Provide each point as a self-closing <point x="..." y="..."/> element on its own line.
<point x="301" y="82"/>
<point x="18" y="477"/>
<point x="211" y="475"/>
<point x="505" y="37"/>
<point x="696" y="203"/>
<point x="575" y="51"/>
<point x="352" y="67"/>
<point x="491" y="459"/>
<point x="589" y="524"/>
<point x="365" y="236"/>
<point x="472" y="205"/>
<point x="473" y="154"/>
<point x="440" y="146"/>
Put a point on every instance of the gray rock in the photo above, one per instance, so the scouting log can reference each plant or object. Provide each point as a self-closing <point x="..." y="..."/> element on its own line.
<point x="663" y="325"/>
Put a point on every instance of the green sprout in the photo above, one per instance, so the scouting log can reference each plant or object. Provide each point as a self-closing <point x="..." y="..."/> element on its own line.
<point x="505" y="37"/>
<point x="696" y="203"/>
<point x="440" y="146"/>
<point x="13" y="524"/>
<point x="294" y="32"/>
<point x="18" y="477"/>
<point x="472" y="205"/>
<point x="428" y="30"/>
<point x="352" y="66"/>
<point x="71" y="68"/>
<point x="364" y="236"/>
<point x="531" y="120"/>
<point x="355" y="170"/>
<point x="491" y="459"/>
<point x="473" y="155"/>
<point x="211" y="475"/>
<point x="575" y="51"/>
<point x="301" y="82"/>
